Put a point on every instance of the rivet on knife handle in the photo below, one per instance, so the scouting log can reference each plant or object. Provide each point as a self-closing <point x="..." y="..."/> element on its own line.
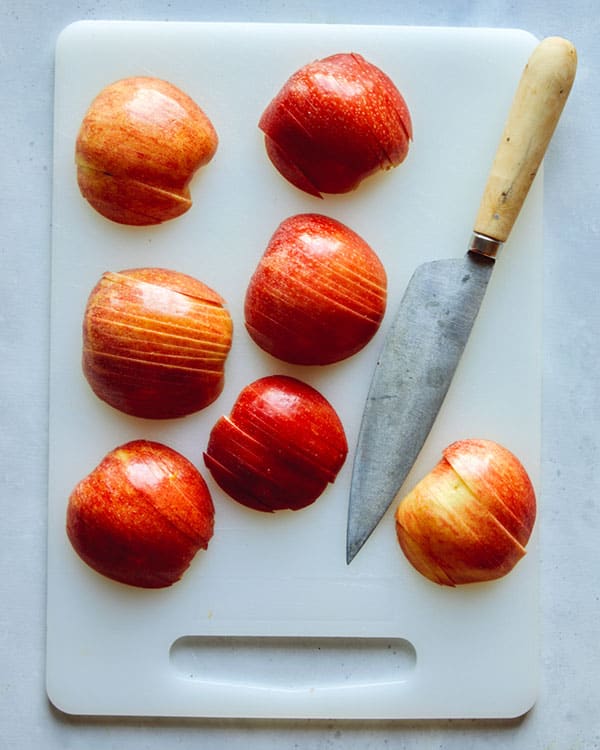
<point x="426" y="340"/>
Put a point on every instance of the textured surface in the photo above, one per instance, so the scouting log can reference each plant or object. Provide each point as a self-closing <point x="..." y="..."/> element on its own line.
<point x="566" y="712"/>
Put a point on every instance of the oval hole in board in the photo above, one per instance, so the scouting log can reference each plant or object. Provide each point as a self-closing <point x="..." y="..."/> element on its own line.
<point x="289" y="663"/>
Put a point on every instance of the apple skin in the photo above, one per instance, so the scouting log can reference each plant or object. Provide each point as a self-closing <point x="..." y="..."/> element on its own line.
<point x="155" y="342"/>
<point x="139" y="145"/>
<point x="141" y="515"/>
<point x="335" y="122"/>
<point x="280" y="446"/>
<point x="468" y="520"/>
<point x="318" y="294"/>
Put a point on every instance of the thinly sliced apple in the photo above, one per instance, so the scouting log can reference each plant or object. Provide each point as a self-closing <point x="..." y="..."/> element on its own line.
<point x="151" y="350"/>
<point x="280" y="446"/>
<point x="300" y="308"/>
<point x="334" y="123"/>
<point x="472" y="524"/>
<point x="141" y="515"/>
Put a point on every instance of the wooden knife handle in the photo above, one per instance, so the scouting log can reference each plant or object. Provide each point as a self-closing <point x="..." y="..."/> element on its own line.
<point x="534" y="114"/>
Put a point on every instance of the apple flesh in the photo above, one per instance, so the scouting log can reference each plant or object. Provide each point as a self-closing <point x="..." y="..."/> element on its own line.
<point x="141" y="515"/>
<point x="139" y="145"/>
<point x="318" y="294"/>
<point x="335" y="122"/>
<point x="469" y="520"/>
<point x="155" y="342"/>
<point x="280" y="446"/>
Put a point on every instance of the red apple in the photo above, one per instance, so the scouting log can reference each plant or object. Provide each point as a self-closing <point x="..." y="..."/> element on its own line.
<point x="318" y="294"/>
<point x="155" y="342"/>
<point x="335" y="122"/>
<point x="471" y="517"/>
<point x="141" y="515"/>
<point x="139" y="145"/>
<point x="280" y="446"/>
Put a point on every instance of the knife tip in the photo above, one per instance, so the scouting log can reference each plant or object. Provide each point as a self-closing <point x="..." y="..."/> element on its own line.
<point x="358" y="532"/>
<point x="352" y="549"/>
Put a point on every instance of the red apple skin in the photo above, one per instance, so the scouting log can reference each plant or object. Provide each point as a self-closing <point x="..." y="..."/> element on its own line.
<point x="141" y="515"/>
<point x="470" y="519"/>
<point x="335" y="122"/>
<point x="155" y="342"/>
<point x="280" y="446"/>
<point x="318" y="294"/>
<point x="139" y="145"/>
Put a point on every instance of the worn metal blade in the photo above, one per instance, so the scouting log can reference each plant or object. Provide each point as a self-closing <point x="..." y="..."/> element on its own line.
<point x="411" y="379"/>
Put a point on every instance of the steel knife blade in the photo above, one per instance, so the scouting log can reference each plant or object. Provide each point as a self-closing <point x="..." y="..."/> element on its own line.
<point x="427" y="338"/>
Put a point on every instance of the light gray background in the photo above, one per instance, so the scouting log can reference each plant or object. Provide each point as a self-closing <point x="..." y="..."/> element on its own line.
<point x="566" y="715"/>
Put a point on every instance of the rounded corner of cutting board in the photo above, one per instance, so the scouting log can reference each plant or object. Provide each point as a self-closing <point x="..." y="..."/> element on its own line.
<point x="69" y="33"/>
<point x="60" y="701"/>
<point x="527" y="704"/>
<point x="528" y="36"/>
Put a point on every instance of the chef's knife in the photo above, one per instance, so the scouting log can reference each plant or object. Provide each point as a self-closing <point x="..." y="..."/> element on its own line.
<point x="427" y="338"/>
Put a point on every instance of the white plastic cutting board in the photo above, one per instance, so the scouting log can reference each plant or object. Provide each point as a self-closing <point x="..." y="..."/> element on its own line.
<point x="270" y="621"/>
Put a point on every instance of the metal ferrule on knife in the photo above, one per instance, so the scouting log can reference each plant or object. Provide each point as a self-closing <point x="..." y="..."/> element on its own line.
<point x="482" y="245"/>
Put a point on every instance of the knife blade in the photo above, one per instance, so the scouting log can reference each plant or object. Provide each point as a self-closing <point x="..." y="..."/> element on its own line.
<point x="436" y="314"/>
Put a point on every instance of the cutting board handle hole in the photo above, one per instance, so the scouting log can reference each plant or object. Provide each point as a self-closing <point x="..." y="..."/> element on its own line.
<point x="293" y="663"/>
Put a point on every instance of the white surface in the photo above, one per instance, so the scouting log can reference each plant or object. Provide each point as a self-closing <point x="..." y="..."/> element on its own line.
<point x="565" y="715"/>
<point x="285" y="576"/>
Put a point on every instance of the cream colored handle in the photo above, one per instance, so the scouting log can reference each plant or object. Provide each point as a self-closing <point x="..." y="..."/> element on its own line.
<point x="536" y="109"/>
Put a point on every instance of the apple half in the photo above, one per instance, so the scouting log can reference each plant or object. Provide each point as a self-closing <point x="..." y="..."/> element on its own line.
<point x="139" y="145"/>
<point x="335" y="122"/>
<point x="318" y="294"/>
<point x="155" y="342"/>
<point x="141" y="515"/>
<point x="470" y="519"/>
<point x="280" y="446"/>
